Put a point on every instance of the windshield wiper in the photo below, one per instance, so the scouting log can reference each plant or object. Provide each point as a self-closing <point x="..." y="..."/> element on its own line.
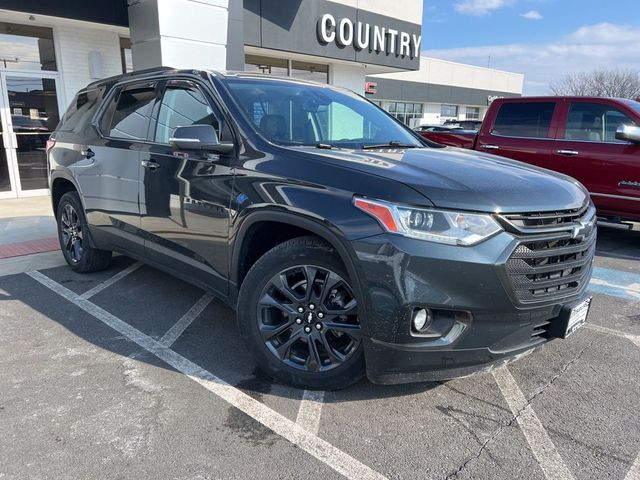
<point x="392" y="144"/>
<point x="325" y="146"/>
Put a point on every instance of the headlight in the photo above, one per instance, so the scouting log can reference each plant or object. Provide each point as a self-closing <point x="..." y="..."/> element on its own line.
<point x="441" y="226"/>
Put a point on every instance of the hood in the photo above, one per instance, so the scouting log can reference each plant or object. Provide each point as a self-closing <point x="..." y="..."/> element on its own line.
<point x="466" y="179"/>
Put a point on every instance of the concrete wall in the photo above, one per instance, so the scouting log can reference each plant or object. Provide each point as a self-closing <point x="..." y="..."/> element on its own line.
<point x="73" y="45"/>
<point x="442" y="72"/>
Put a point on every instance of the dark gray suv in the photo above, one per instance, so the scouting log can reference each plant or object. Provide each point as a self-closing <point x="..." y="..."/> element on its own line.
<point x="346" y="242"/>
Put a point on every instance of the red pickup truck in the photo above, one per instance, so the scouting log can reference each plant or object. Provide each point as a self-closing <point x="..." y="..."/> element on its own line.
<point x="595" y="140"/>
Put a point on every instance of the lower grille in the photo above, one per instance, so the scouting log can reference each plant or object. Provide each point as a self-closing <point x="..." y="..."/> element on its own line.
<point x="541" y="330"/>
<point x="552" y="265"/>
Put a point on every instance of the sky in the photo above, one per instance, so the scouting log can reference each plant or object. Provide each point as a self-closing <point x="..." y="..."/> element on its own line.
<point x="544" y="39"/>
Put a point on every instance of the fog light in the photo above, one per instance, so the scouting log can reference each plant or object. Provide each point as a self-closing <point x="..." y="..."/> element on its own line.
<point x="421" y="319"/>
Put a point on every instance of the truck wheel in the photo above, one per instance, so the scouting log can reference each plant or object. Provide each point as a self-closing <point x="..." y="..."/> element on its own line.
<point x="73" y="235"/>
<point x="298" y="316"/>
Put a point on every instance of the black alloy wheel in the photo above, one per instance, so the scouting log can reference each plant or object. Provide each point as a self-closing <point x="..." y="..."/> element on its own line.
<point x="300" y="316"/>
<point x="74" y="236"/>
<point x="71" y="232"/>
<point x="308" y="318"/>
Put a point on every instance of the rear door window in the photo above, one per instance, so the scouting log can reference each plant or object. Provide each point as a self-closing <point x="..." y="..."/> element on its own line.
<point x="594" y="122"/>
<point x="129" y="116"/>
<point x="528" y="119"/>
<point x="81" y="111"/>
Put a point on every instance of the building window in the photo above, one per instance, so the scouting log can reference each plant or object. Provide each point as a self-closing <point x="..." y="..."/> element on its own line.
<point x="125" y="55"/>
<point x="281" y="67"/>
<point x="267" y="66"/>
<point x="449" y="111"/>
<point x="472" y="113"/>
<point x="26" y="47"/>
<point x="408" y="113"/>
<point x="310" y="71"/>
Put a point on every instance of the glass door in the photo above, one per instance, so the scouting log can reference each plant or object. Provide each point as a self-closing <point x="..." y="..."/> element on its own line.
<point x="31" y="113"/>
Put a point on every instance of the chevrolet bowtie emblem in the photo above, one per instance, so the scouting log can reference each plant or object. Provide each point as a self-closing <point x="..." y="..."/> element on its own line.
<point x="577" y="229"/>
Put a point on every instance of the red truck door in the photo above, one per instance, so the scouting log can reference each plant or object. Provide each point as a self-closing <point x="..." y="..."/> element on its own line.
<point x="523" y="130"/>
<point x="587" y="149"/>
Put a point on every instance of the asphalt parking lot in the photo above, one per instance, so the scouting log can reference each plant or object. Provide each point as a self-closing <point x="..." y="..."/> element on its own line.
<point x="131" y="373"/>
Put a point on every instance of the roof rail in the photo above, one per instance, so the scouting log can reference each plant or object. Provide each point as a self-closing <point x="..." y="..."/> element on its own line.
<point x="135" y="73"/>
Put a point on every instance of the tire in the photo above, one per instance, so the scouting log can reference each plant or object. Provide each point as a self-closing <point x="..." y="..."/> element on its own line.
<point x="309" y="338"/>
<point x="74" y="237"/>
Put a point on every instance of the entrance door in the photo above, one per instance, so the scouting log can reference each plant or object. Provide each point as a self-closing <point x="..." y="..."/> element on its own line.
<point x="29" y="106"/>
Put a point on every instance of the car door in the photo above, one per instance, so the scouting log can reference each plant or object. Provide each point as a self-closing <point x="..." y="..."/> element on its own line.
<point x="522" y="130"/>
<point x="588" y="150"/>
<point x="109" y="176"/>
<point x="185" y="196"/>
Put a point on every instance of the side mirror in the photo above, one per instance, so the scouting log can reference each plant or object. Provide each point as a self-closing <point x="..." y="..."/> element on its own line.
<point x="199" y="137"/>
<point x="629" y="133"/>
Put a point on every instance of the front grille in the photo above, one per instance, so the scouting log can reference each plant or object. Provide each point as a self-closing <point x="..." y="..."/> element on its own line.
<point x="555" y="261"/>
<point x="533" y="222"/>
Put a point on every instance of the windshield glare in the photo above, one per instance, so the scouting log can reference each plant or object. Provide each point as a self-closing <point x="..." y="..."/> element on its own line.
<point x="293" y="114"/>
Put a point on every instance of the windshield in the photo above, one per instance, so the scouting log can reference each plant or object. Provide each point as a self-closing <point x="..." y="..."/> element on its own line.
<point x="289" y="113"/>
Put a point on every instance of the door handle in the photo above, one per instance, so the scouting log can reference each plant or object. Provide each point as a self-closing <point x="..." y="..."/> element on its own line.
<point x="150" y="164"/>
<point x="88" y="153"/>
<point x="570" y="153"/>
<point x="491" y="147"/>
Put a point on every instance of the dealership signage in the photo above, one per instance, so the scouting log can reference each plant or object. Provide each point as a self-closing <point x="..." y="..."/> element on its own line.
<point x="363" y="36"/>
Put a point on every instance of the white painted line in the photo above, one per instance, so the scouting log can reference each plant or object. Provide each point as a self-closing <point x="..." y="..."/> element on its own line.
<point x="107" y="283"/>
<point x="310" y="411"/>
<point x="609" y="331"/>
<point x="281" y="425"/>
<point x="634" y="473"/>
<point x="543" y="448"/>
<point x="181" y="325"/>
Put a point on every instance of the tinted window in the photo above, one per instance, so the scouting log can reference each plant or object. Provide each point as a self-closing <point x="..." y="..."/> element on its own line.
<point x="289" y="113"/>
<point x="80" y="111"/>
<point x="182" y="107"/>
<point x="594" y="122"/>
<point x="130" y="119"/>
<point x="531" y="119"/>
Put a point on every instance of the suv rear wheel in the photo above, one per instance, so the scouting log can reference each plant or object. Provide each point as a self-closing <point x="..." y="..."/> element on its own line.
<point x="73" y="235"/>
<point x="299" y="316"/>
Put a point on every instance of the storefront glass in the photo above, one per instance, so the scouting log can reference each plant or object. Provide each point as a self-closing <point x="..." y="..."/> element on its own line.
<point x="267" y="66"/>
<point x="33" y="105"/>
<point x="310" y="71"/>
<point x="26" y="47"/>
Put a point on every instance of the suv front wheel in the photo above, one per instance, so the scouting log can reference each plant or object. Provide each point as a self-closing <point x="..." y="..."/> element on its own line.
<point x="299" y="316"/>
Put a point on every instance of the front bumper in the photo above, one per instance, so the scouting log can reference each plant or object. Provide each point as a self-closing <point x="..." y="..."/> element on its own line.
<point x="477" y="325"/>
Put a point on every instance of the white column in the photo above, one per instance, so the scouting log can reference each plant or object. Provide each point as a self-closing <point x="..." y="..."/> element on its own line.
<point x="179" y="33"/>
<point x="348" y="76"/>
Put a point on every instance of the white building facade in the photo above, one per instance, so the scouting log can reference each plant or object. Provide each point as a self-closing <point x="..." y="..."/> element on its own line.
<point x="441" y="91"/>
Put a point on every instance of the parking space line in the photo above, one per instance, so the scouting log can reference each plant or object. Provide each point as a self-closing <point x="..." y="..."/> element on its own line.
<point x="181" y="325"/>
<point x="541" y="445"/>
<point x="629" y="336"/>
<point x="615" y="283"/>
<point x="322" y="450"/>
<point x="634" y="472"/>
<point x="310" y="410"/>
<point x="107" y="283"/>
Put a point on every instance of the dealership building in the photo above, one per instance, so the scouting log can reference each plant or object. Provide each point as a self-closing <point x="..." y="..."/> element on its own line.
<point x="51" y="49"/>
